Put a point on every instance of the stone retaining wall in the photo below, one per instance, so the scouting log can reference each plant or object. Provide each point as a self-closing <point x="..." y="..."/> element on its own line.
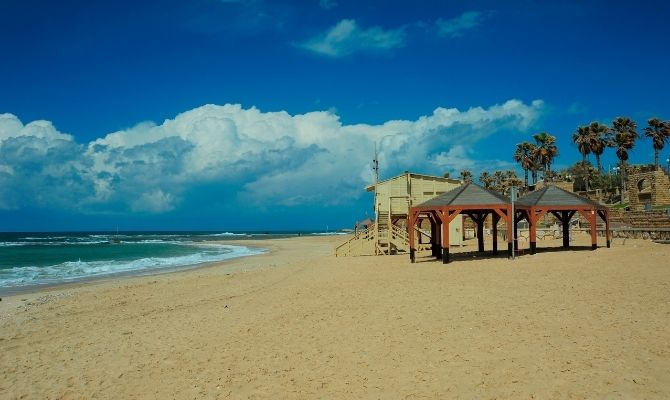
<point x="640" y="219"/>
<point x="641" y="233"/>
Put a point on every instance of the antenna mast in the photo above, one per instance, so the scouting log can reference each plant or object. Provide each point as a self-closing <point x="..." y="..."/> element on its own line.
<point x="375" y="167"/>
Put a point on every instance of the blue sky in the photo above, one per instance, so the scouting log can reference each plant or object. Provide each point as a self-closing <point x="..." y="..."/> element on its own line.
<point x="237" y="115"/>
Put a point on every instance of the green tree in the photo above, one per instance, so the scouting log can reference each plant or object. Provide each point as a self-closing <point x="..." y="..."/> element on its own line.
<point x="600" y="138"/>
<point x="582" y="138"/>
<point x="499" y="178"/>
<point x="659" y="132"/>
<point x="511" y="179"/>
<point x="625" y="134"/>
<point x="525" y="156"/>
<point x="486" y="179"/>
<point x="584" y="174"/>
<point x="466" y="176"/>
<point x="546" y="150"/>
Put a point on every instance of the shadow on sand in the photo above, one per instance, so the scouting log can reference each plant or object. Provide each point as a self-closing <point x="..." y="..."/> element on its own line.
<point x="502" y="254"/>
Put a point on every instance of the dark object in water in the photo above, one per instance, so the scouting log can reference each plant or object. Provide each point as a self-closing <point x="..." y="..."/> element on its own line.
<point x="662" y="241"/>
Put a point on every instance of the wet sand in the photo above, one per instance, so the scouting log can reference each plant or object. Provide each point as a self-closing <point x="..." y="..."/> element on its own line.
<point x="298" y="322"/>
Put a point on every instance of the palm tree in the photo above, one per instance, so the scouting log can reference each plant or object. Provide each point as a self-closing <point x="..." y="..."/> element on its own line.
<point x="586" y="173"/>
<point x="582" y="138"/>
<point x="499" y="178"/>
<point x="466" y="176"/>
<point x="599" y="140"/>
<point x="511" y="179"/>
<point x="546" y="150"/>
<point x="625" y="133"/>
<point x="486" y="179"/>
<point x="525" y="156"/>
<point x="659" y="132"/>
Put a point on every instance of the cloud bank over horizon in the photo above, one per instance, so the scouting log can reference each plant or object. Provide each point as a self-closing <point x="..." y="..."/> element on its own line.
<point x="263" y="158"/>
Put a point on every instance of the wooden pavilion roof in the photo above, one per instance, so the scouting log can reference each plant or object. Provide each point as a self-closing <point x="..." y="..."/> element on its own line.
<point x="476" y="202"/>
<point x="469" y="194"/>
<point x="550" y="196"/>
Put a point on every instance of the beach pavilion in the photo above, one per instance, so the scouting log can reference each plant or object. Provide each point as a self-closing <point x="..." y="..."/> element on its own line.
<point x="469" y="199"/>
<point x="563" y="205"/>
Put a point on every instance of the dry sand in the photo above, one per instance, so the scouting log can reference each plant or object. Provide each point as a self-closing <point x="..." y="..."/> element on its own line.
<point x="300" y="323"/>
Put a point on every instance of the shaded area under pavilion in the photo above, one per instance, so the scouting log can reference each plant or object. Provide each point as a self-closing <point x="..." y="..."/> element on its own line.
<point x="563" y="205"/>
<point x="477" y="203"/>
<point x="469" y="199"/>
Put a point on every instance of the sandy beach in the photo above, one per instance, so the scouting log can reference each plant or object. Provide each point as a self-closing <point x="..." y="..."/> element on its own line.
<point x="299" y="323"/>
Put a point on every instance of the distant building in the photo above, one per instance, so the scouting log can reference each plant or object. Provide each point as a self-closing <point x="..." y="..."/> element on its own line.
<point x="393" y="198"/>
<point x="648" y="188"/>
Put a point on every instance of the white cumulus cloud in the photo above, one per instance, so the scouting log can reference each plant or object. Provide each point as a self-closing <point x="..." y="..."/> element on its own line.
<point x="266" y="159"/>
<point x="37" y="162"/>
<point x="346" y="38"/>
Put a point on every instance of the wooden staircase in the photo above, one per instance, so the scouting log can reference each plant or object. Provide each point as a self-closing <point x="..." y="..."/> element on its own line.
<point x="361" y="244"/>
<point x="382" y="238"/>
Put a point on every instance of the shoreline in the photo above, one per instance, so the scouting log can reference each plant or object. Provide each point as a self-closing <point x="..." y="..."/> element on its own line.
<point x="33" y="293"/>
<point x="237" y="239"/>
<point x="18" y="299"/>
<point x="8" y="291"/>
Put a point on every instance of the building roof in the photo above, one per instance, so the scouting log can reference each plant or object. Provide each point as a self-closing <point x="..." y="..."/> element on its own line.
<point x="469" y="194"/>
<point x="554" y="196"/>
<point x="370" y="188"/>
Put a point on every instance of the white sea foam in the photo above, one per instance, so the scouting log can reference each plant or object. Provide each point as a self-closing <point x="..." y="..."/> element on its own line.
<point x="13" y="244"/>
<point x="155" y="241"/>
<point x="43" y="238"/>
<point x="50" y="243"/>
<point x="77" y="270"/>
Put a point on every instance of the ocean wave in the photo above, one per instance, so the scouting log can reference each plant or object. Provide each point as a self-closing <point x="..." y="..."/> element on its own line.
<point x="221" y="246"/>
<point x="228" y="234"/>
<point x="17" y="244"/>
<point x="43" y="238"/>
<point x="13" y="244"/>
<point x="50" y="243"/>
<point x="154" y="241"/>
<point x="78" y="270"/>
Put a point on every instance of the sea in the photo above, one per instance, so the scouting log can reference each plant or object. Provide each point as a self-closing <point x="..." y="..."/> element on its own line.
<point x="29" y="260"/>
